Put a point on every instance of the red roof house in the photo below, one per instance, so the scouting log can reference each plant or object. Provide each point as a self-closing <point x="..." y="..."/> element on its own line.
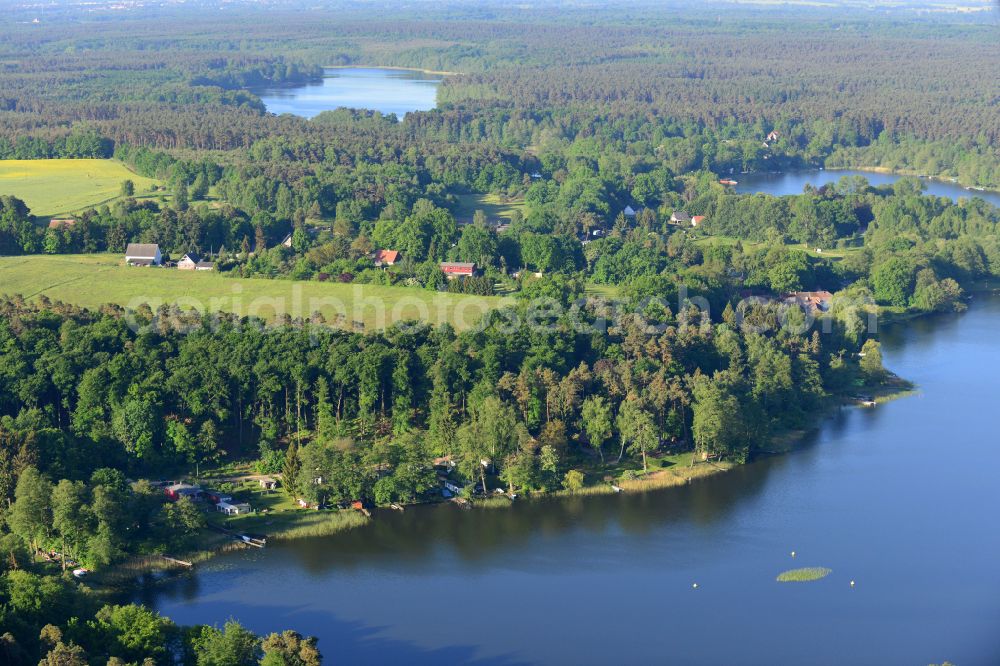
<point x="458" y="269"/>
<point x="385" y="257"/>
<point x="814" y="301"/>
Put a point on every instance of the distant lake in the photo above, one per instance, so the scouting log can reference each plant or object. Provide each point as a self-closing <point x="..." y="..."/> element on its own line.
<point x="781" y="184"/>
<point x="387" y="90"/>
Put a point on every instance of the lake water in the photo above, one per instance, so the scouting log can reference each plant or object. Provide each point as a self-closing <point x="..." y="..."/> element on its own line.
<point x="902" y="498"/>
<point x="387" y="90"/>
<point x="780" y="184"/>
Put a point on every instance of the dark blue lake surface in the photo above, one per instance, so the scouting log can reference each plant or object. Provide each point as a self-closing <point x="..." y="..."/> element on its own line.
<point x="386" y="90"/>
<point x="780" y="184"/>
<point x="902" y="498"/>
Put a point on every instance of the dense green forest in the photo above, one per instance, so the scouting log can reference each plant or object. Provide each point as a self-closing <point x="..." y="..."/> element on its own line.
<point x="575" y="115"/>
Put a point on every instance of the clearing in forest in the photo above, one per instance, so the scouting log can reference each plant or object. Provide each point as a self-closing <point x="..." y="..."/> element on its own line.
<point x="91" y="280"/>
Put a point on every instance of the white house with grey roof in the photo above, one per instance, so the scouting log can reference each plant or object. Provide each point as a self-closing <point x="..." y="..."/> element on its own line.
<point x="143" y="254"/>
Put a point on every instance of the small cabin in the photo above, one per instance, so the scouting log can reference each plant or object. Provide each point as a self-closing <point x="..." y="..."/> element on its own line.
<point x="680" y="217"/>
<point x="179" y="490"/>
<point x="696" y="220"/>
<point x="232" y="509"/>
<point x="629" y="211"/>
<point x="267" y="483"/>
<point x="216" y="496"/>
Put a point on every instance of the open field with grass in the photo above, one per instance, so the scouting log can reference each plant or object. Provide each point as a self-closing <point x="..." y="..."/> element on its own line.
<point x="492" y="205"/>
<point x="826" y="253"/>
<point x="91" y="280"/>
<point x="57" y="187"/>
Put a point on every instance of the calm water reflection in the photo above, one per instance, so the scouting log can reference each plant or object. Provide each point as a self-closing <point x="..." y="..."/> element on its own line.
<point x="901" y="498"/>
<point x="386" y="90"/>
<point x="780" y="184"/>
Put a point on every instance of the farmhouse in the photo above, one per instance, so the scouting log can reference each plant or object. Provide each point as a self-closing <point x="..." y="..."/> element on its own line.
<point x="194" y="262"/>
<point x="697" y="219"/>
<point x="680" y="217"/>
<point x="385" y="257"/>
<point x="64" y="223"/>
<point x="143" y="254"/>
<point x="455" y="269"/>
<point x="188" y="262"/>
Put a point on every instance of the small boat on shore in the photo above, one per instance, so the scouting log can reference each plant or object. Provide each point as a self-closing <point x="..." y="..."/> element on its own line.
<point x="728" y="181"/>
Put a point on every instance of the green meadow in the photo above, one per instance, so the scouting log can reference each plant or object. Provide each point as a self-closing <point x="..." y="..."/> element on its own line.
<point x="92" y="280"/>
<point x="493" y="205"/>
<point x="58" y="187"/>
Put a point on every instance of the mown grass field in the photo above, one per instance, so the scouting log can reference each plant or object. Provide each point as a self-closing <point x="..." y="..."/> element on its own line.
<point x="58" y="187"/>
<point x="492" y="205"/>
<point x="95" y="279"/>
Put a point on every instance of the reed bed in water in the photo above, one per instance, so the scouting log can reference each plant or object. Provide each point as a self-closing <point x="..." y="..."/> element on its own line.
<point x="803" y="575"/>
<point x="302" y="524"/>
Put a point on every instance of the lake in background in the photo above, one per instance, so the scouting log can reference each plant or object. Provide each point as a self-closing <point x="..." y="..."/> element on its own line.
<point x="781" y="184"/>
<point x="387" y="90"/>
<point x="902" y="498"/>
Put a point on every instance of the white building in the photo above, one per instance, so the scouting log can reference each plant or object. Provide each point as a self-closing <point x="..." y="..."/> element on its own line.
<point x="143" y="254"/>
<point x="232" y="509"/>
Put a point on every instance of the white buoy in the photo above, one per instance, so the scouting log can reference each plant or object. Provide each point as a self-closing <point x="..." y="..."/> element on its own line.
<point x="695" y="586"/>
<point x="852" y="583"/>
<point x="793" y="553"/>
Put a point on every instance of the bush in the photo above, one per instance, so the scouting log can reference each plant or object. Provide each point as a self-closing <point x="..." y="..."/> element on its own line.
<point x="573" y="481"/>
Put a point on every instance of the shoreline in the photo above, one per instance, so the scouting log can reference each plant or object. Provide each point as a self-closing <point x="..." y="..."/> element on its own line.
<point x="304" y="524"/>
<point x="400" y="68"/>
<point x="888" y="171"/>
